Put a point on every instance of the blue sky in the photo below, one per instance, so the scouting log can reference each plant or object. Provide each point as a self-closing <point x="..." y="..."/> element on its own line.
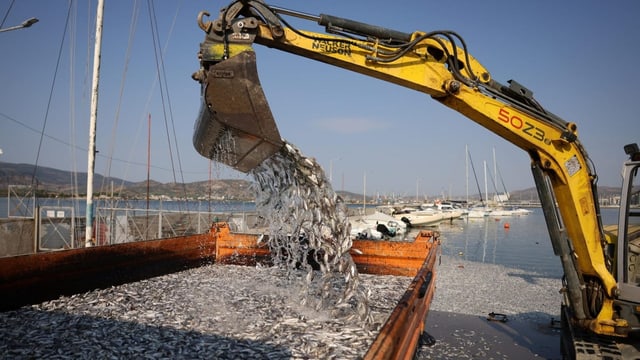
<point x="578" y="57"/>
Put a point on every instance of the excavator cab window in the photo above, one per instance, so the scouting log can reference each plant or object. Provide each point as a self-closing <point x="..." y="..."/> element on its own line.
<point x="633" y="222"/>
<point x="629" y="231"/>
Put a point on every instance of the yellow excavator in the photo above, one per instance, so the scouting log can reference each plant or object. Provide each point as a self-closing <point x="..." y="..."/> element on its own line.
<point x="601" y="283"/>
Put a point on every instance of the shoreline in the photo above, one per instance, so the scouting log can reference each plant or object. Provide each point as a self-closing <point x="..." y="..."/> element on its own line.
<point x="459" y="336"/>
<point x="466" y="292"/>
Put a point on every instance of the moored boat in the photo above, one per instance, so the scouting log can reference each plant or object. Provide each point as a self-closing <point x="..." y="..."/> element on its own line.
<point x="509" y="211"/>
<point x="449" y="211"/>
<point x="376" y="226"/>
<point x="419" y="218"/>
<point x="478" y="212"/>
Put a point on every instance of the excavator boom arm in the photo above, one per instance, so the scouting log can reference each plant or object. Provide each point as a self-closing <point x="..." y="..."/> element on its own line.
<point x="438" y="64"/>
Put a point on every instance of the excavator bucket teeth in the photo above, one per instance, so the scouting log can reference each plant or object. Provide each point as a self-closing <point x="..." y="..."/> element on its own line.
<point x="235" y="125"/>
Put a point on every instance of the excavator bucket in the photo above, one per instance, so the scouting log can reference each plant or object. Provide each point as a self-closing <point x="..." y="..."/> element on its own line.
<point x="235" y="125"/>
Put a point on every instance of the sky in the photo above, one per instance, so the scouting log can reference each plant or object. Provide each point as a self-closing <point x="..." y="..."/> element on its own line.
<point x="578" y="57"/>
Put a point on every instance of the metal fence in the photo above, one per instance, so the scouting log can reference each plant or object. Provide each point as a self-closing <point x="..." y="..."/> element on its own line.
<point x="56" y="228"/>
<point x="60" y="227"/>
<point x="117" y="225"/>
<point x="20" y="201"/>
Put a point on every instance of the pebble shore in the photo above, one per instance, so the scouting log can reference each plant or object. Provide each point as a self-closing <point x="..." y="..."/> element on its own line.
<point x="467" y="292"/>
<point x="474" y="288"/>
<point x="235" y="312"/>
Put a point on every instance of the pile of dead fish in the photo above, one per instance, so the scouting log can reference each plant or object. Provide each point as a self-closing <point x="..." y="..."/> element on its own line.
<point x="308" y="220"/>
<point x="212" y="312"/>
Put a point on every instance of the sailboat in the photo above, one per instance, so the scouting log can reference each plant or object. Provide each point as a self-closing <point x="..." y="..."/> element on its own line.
<point x="501" y="209"/>
<point x="479" y="211"/>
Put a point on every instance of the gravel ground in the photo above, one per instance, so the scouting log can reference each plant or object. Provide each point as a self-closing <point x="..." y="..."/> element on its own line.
<point x="234" y="312"/>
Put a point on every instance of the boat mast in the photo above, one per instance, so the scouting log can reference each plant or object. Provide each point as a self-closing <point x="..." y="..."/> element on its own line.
<point x="486" y="191"/>
<point x="364" y="193"/>
<point x="495" y="176"/>
<point x="475" y="176"/>
<point x="91" y="162"/>
<point x="466" y="170"/>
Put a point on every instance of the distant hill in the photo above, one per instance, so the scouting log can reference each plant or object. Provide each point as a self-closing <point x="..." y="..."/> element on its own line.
<point x="54" y="181"/>
<point x="532" y="193"/>
<point x="225" y="189"/>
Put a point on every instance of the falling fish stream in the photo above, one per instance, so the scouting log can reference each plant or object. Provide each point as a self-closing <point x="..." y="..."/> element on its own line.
<point x="308" y="225"/>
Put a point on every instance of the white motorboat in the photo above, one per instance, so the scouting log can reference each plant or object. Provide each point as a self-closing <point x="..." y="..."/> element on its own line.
<point x="449" y="211"/>
<point x="368" y="233"/>
<point x="522" y="211"/>
<point x="478" y="212"/>
<point x="420" y="218"/>
<point x="376" y="226"/>
<point x="501" y="211"/>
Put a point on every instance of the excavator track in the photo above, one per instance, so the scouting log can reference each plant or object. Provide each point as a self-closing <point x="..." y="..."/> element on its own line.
<point x="577" y="344"/>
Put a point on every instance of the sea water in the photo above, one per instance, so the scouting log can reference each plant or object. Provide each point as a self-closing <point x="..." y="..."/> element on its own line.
<point x="520" y="242"/>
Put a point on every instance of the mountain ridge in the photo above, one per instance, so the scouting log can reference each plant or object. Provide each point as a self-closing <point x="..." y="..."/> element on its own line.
<point x="59" y="182"/>
<point x="55" y="182"/>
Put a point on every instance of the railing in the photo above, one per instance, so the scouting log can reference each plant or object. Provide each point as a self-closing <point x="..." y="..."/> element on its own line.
<point x="59" y="228"/>
<point x="56" y="228"/>
<point x="117" y="225"/>
<point x="20" y="201"/>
